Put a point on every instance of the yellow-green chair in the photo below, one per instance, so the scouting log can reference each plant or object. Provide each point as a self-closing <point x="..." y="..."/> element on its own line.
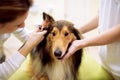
<point x="89" y="70"/>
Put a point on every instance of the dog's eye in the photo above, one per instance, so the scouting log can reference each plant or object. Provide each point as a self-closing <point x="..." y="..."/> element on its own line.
<point x="53" y="33"/>
<point x="66" y="34"/>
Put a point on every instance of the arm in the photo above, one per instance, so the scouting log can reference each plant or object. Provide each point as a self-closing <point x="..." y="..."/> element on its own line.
<point x="90" y="25"/>
<point x="34" y="39"/>
<point x="8" y="67"/>
<point x="110" y="36"/>
<point x="107" y="37"/>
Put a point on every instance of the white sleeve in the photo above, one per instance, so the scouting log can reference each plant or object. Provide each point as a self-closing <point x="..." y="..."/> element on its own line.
<point x="22" y="34"/>
<point x="8" y="67"/>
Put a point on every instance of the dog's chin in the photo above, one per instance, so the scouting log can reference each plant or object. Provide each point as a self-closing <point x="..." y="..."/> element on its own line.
<point x="60" y="58"/>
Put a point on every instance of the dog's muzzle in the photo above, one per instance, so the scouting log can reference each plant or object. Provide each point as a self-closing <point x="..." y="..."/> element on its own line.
<point x="58" y="53"/>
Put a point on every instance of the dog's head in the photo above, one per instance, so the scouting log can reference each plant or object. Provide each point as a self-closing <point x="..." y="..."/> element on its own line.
<point x="60" y="35"/>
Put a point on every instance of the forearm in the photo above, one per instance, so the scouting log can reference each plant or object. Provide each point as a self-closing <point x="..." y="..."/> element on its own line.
<point x="90" y="25"/>
<point x="107" y="37"/>
<point x="25" y="49"/>
<point x="8" y="67"/>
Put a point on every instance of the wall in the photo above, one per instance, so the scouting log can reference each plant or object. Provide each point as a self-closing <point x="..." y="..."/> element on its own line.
<point x="77" y="11"/>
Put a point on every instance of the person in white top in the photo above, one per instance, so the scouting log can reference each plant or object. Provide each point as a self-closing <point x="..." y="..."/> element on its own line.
<point x="108" y="23"/>
<point x="12" y="16"/>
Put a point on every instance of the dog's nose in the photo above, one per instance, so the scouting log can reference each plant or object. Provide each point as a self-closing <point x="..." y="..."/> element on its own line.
<point x="58" y="53"/>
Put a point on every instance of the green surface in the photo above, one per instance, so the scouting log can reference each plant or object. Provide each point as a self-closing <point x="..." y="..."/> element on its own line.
<point x="89" y="70"/>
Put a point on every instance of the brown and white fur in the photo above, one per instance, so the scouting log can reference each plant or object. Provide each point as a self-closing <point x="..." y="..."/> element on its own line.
<point x="46" y="57"/>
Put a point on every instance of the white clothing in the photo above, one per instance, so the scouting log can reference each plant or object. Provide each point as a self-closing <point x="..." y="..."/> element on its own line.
<point x="109" y="16"/>
<point x="8" y="67"/>
<point x="21" y="34"/>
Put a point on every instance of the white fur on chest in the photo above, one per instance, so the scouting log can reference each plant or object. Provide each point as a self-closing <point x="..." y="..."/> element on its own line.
<point x="58" y="71"/>
<point x="55" y="71"/>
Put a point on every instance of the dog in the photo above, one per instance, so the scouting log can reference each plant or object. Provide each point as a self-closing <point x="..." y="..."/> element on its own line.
<point x="46" y="57"/>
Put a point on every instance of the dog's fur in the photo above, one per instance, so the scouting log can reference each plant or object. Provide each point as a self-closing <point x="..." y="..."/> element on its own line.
<point x="46" y="57"/>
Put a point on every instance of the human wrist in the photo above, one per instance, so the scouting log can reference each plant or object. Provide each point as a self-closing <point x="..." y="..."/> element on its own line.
<point x="85" y="42"/>
<point x="25" y="49"/>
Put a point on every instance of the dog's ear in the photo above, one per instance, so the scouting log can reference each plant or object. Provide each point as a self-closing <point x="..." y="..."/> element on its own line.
<point x="47" y="21"/>
<point x="48" y="18"/>
<point x="46" y="25"/>
<point x="77" y="34"/>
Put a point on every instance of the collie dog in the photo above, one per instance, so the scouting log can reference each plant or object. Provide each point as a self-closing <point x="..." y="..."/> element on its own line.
<point x="46" y="57"/>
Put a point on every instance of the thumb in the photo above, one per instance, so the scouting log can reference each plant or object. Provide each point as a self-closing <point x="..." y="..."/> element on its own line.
<point x="43" y="32"/>
<point x="66" y="57"/>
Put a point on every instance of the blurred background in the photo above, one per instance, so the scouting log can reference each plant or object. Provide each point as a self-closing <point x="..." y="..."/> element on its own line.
<point x="77" y="11"/>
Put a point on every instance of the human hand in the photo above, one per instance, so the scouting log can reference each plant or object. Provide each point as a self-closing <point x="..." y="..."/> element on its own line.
<point x="76" y="45"/>
<point x="36" y="37"/>
<point x="43" y="26"/>
<point x="33" y="40"/>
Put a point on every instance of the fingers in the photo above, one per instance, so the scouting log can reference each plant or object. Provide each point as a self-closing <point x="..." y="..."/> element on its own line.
<point x="42" y="32"/>
<point x="66" y="56"/>
<point x="38" y="29"/>
<point x="41" y="28"/>
<point x="72" y="49"/>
